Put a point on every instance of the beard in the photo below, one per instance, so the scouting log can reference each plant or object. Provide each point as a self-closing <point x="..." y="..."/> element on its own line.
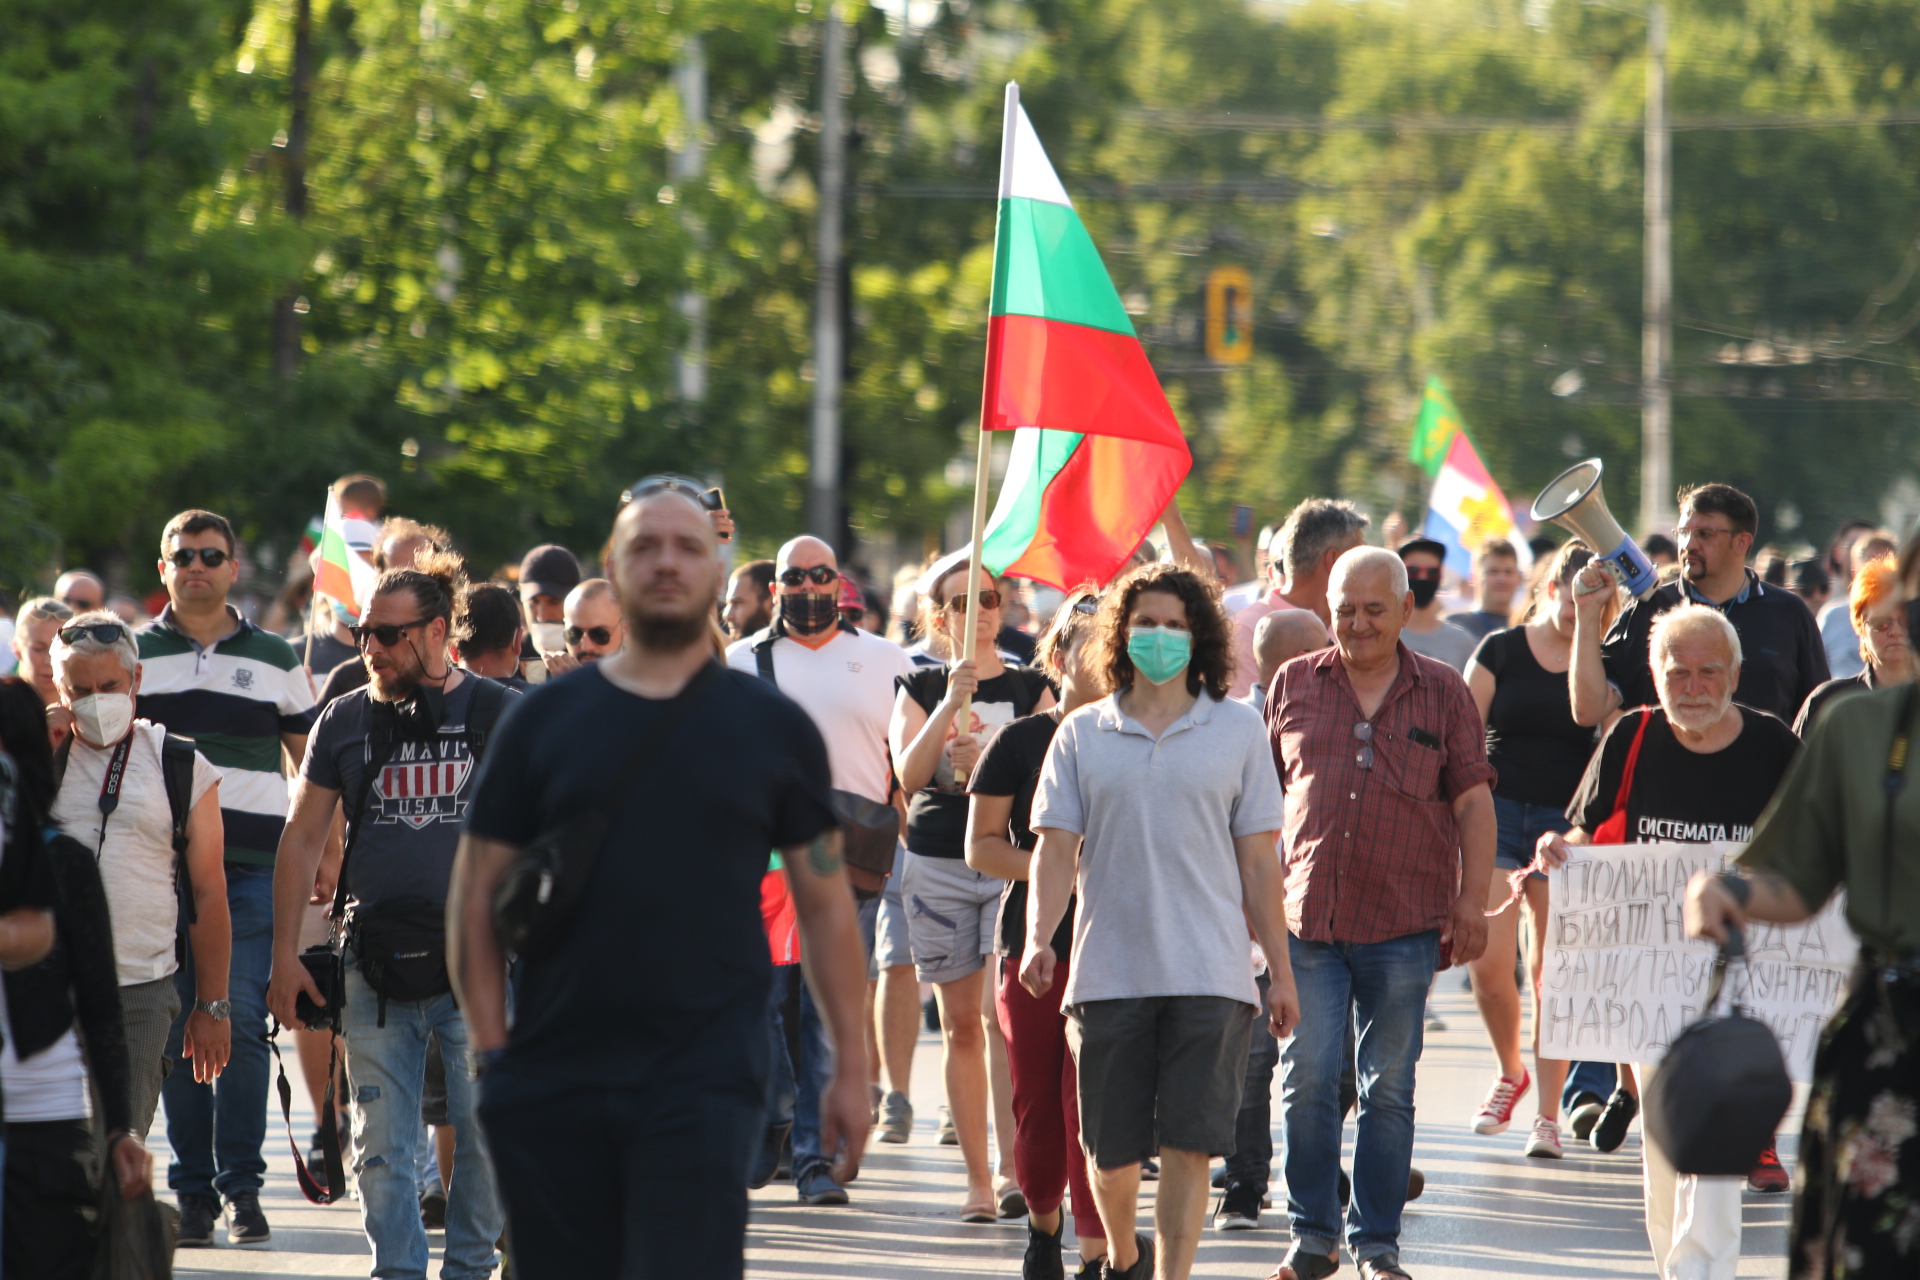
<point x="394" y="685"/>
<point x="1698" y="717"/>
<point x="667" y="633"/>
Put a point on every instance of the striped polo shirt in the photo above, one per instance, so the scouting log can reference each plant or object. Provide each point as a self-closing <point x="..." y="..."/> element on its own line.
<point x="234" y="699"/>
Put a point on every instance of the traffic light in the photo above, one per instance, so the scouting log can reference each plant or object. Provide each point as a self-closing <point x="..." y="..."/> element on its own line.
<point x="1229" y="315"/>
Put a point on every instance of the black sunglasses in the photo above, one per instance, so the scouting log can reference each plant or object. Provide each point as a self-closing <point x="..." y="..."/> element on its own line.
<point x="104" y="632"/>
<point x="387" y="636"/>
<point x="820" y="575"/>
<point x="212" y="557"/>
<point x="988" y="600"/>
<point x="602" y="636"/>
<point x="1364" y="755"/>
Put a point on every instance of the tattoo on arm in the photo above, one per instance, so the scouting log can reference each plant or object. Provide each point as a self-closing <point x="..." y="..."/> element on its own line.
<point x="823" y="855"/>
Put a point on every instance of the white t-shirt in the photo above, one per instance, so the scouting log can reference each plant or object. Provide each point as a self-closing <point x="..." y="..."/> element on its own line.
<point x="846" y="685"/>
<point x="136" y="861"/>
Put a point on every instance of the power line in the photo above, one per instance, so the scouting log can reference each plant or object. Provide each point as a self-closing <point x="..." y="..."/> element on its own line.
<point x="1171" y="120"/>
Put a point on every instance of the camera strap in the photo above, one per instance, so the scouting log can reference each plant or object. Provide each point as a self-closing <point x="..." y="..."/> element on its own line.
<point x="335" y="1186"/>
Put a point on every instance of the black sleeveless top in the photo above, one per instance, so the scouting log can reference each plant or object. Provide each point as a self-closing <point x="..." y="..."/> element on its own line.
<point x="1532" y="741"/>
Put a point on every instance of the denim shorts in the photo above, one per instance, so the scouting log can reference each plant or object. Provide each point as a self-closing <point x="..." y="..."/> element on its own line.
<point x="1520" y="827"/>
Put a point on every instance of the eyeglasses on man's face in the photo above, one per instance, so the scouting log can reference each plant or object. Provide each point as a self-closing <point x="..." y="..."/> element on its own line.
<point x="212" y="557"/>
<point x="820" y="575"/>
<point x="387" y="635"/>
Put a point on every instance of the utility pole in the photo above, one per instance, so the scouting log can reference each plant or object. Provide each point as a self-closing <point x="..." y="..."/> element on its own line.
<point x="686" y="167"/>
<point x="286" y="311"/>
<point x="1656" y="337"/>
<point x="823" y="490"/>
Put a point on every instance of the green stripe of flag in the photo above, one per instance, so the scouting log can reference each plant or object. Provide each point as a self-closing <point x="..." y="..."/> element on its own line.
<point x="1045" y="265"/>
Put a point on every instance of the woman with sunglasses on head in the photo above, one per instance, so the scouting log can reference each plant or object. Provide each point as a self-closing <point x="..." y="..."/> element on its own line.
<point x="951" y="908"/>
<point x="1046" y="1114"/>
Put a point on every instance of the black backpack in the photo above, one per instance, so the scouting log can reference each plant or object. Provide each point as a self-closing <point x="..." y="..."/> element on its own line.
<point x="176" y="771"/>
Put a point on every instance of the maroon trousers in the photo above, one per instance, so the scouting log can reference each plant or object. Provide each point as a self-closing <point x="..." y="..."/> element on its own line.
<point x="1047" y="1156"/>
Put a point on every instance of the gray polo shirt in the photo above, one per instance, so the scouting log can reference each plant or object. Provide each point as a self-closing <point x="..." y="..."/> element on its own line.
<point x="1159" y="887"/>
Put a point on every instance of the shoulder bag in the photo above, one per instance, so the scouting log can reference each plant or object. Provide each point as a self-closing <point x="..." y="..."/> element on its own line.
<point x="1613" y="830"/>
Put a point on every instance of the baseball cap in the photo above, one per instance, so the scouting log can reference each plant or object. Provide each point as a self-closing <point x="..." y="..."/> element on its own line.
<point x="1423" y="544"/>
<point x="850" y="595"/>
<point x="548" y="571"/>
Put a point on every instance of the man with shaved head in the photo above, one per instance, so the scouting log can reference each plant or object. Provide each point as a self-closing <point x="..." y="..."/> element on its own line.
<point x="594" y="627"/>
<point x="843" y="678"/>
<point x="1389" y="849"/>
<point x="80" y="591"/>
<point x="620" y="1108"/>
<point x="1279" y="638"/>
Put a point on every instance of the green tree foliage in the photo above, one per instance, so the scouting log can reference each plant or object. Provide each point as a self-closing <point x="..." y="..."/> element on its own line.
<point x="487" y="275"/>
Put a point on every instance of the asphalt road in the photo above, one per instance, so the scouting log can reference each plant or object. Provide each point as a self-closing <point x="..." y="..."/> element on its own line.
<point x="1487" y="1211"/>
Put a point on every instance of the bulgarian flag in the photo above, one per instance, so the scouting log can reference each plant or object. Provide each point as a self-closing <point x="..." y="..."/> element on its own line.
<point x="1097" y="453"/>
<point x="341" y="571"/>
<point x="1465" y="507"/>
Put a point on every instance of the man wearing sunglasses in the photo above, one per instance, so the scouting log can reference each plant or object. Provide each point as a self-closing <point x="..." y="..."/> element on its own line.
<point x="1389" y="853"/>
<point x="593" y="630"/>
<point x="241" y="693"/>
<point x="80" y="591"/>
<point x="843" y="678"/>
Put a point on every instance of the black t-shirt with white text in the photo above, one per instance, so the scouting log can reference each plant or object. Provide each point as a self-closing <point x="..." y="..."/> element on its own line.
<point x="404" y="841"/>
<point x="667" y="938"/>
<point x="1010" y="766"/>
<point x="1682" y="795"/>
<point x="937" y="812"/>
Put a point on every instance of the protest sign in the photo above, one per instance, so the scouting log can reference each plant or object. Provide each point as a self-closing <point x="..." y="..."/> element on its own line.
<point x="1621" y="979"/>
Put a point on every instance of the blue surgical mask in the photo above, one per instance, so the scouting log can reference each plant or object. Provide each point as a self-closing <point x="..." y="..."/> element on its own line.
<point x="1159" y="653"/>
<point x="342" y="615"/>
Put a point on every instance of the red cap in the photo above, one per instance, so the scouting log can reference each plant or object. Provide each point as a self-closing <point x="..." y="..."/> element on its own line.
<point x="850" y="597"/>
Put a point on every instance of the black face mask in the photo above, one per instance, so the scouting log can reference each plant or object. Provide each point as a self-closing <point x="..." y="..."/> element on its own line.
<point x="810" y="613"/>
<point x="1424" y="590"/>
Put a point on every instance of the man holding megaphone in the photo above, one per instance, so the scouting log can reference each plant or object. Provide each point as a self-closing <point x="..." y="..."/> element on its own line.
<point x="1784" y="659"/>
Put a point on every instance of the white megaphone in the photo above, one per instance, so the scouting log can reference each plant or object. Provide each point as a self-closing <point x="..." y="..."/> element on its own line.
<point x="1572" y="500"/>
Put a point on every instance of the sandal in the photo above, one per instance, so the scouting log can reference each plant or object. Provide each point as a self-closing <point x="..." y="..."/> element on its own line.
<point x="981" y="1210"/>
<point x="1385" y="1267"/>
<point x="1305" y="1266"/>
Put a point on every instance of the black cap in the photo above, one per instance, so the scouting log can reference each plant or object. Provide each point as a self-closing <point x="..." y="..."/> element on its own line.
<point x="548" y="571"/>
<point x="1809" y="576"/>
<point x="1428" y="545"/>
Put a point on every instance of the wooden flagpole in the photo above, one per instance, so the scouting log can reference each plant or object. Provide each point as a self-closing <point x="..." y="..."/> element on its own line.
<point x="983" y="461"/>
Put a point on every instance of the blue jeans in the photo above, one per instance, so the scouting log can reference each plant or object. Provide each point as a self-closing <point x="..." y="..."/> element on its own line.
<point x="803" y="1080"/>
<point x="1520" y="826"/>
<point x="1380" y="989"/>
<point x="216" y="1130"/>
<point x="1599" y="1078"/>
<point x="387" y="1068"/>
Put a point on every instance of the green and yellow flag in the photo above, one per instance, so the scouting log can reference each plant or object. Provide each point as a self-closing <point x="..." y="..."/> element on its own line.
<point x="1434" y="429"/>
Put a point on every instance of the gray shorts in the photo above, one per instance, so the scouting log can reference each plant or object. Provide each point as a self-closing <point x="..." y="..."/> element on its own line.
<point x="1158" y="1070"/>
<point x="952" y="912"/>
<point x="891" y="946"/>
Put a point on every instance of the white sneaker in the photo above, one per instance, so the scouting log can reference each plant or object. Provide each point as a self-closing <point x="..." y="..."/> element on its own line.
<point x="1544" y="1141"/>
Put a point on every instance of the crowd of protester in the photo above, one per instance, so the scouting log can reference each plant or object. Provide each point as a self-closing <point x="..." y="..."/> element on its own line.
<point x="1140" y="846"/>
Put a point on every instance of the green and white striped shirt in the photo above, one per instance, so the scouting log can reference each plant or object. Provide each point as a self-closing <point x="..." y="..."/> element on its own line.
<point x="234" y="699"/>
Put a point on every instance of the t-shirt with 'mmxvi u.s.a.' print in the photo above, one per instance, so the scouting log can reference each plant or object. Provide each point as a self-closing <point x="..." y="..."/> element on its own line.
<point x="1684" y="796"/>
<point x="403" y="843"/>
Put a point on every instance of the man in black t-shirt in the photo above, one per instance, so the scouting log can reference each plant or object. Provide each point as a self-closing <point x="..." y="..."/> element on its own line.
<point x="401" y="754"/>
<point x="622" y="1107"/>
<point x="1702" y="769"/>
<point x="1784" y="657"/>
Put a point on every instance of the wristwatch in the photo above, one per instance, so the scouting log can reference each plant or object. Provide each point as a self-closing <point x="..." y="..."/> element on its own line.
<point x="215" y="1009"/>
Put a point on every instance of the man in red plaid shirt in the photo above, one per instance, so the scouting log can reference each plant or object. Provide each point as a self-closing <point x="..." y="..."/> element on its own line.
<point x="1389" y="849"/>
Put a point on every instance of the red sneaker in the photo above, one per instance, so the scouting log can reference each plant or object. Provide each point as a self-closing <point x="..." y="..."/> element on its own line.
<point x="1496" y="1113"/>
<point x="1768" y="1173"/>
